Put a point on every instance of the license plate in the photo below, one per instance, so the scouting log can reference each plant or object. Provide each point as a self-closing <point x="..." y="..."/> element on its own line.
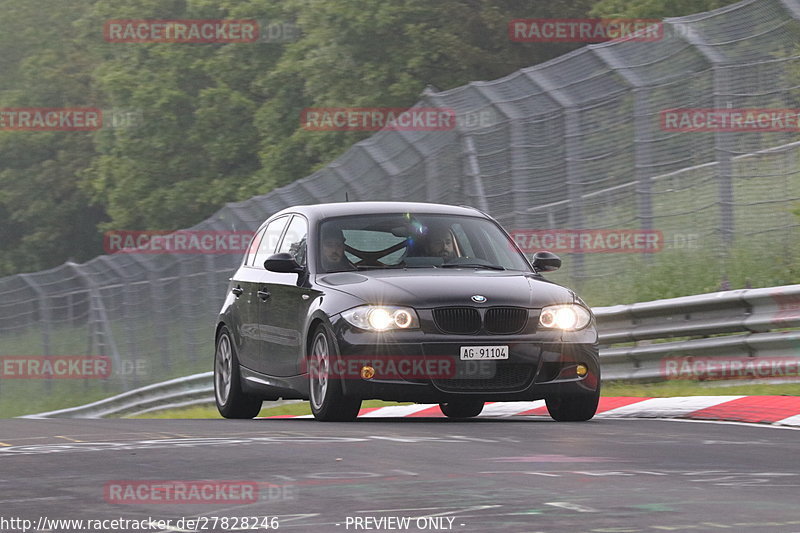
<point x="475" y="353"/>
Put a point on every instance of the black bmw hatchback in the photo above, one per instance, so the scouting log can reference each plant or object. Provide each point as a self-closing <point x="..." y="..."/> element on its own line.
<point x="413" y="302"/>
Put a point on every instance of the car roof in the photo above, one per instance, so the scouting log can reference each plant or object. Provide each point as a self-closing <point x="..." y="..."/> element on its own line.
<point x="321" y="211"/>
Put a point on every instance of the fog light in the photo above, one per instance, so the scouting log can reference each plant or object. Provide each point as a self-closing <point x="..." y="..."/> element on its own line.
<point x="367" y="372"/>
<point x="581" y="370"/>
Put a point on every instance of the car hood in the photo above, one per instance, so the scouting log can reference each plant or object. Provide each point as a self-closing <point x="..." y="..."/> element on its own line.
<point x="426" y="288"/>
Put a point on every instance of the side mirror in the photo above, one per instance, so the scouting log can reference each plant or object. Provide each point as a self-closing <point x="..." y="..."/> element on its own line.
<point x="545" y="261"/>
<point x="283" y="263"/>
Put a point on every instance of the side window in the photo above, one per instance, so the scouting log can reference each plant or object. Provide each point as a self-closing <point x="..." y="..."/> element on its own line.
<point x="253" y="248"/>
<point x="294" y="242"/>
<point x="270" y="241"/>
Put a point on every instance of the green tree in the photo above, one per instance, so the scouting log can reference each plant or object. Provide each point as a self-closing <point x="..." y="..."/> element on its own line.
<point x="217" y="122"/>
<point x="366" y="53"/>
<point x="43" y="213"/>
<point x="196" y="139"/>
<point x="655" y="8"/>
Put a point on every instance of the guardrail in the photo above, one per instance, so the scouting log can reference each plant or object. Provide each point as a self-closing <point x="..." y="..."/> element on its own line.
<point x="179" y="392"/>
<point x="197" y="389"/>
<point x="739" y="323"/>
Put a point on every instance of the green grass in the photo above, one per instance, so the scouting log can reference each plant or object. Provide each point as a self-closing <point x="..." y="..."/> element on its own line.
<point x="295" y="409"/>
<point x="27" y="396"/>
<point x="186" y="412"/>
<point x="683" y="204"/>
<point x="675" y="273"/>
<point x="35" y="399"/>
<point x="136" y="342"/>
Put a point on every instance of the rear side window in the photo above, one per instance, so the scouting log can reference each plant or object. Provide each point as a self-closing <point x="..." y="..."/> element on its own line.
<point x="269" y="242"/>
<point x="294" y="242"/>
<point x="253" y="248"/>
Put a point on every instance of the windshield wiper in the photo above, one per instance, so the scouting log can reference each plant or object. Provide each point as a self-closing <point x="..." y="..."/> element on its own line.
<point x="471" y="265"/>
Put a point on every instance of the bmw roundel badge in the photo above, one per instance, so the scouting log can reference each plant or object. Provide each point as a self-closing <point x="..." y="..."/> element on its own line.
<point x="478" y="299"/>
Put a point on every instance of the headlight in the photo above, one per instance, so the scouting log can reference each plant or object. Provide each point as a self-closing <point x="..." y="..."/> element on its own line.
<point x="568" y="317"/>
<point x="382" y="318"/>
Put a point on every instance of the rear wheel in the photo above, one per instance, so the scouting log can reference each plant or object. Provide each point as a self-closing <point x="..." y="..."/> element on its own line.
<point x="573" y="403"/>
<point x="462" y="408"/>
<point x="328" y="402"/>
<point x="232" y="402"/>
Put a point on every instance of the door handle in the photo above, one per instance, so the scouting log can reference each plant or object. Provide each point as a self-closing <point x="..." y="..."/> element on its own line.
<point x="264" y="294"/>
<point x="237" y="291"/>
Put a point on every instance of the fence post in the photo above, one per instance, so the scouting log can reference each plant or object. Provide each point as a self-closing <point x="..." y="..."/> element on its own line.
<point x="642" y="153"/>
<point x="723" y="146"/>
<point x="472" y="170"/>
<point x="572" y="128"/>
<point x="44" y="317"/>
<point x="131" y="352"/>
<point x="98" y="318"/>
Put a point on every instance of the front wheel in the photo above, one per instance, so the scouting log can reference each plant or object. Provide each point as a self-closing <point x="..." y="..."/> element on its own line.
<point x="573" y="403"/>
<point x="328" y="402"/>
<point x="462" y="408"/>
<point x="231" y="401"/>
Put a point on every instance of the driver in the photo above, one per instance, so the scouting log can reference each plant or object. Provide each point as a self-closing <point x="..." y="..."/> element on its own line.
<point x="440" y="244"/>
<point x="332" y="250"/>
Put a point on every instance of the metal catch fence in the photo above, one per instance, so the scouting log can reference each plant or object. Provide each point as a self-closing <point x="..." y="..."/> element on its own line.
<point x="577" y="144"/>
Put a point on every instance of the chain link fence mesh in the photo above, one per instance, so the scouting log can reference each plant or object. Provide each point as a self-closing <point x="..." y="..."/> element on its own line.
<point x="575" y="143"/>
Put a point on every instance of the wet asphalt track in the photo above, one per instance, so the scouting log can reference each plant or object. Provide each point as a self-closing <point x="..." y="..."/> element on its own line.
<point x="517" y="475"/>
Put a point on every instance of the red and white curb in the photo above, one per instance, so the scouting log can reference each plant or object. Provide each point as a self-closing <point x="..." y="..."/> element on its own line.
<point x="776" y="410"/>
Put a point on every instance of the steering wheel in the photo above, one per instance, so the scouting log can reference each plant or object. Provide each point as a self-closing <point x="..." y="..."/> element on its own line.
<point x="368" y="258"/>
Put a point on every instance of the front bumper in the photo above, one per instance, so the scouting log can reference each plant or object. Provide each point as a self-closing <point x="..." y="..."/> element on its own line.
<point x="426" y="367"/>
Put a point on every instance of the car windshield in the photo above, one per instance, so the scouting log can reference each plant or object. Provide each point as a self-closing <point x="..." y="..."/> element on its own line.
<point x="407" y="240"/>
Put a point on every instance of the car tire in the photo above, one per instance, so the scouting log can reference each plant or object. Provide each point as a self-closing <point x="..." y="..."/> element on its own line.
<point x="573" y="403"/>
<point x="328" y="402"/>
<point x="231" y="400"/>
<point x="462" y="408"/>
